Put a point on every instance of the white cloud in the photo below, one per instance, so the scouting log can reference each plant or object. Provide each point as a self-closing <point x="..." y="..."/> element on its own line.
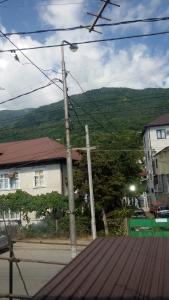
<point x="3" y="64"/>
<point x="61" y="16"/>
<point x="94" y="65"/>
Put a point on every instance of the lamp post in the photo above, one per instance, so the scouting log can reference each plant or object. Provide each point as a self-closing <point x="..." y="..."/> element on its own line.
<point x="132" y="189"/>
<point x="72" y="225"/>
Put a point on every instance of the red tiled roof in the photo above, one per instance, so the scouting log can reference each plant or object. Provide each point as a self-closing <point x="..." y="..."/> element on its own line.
<point x="40" y="149"/>
<point x="162" y="120"/>
<point x="114" y="269"/>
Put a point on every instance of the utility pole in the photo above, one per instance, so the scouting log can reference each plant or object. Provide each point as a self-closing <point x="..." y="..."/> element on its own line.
<point x="93" y="219"/>
<point x="69" y="156"/>
<point x="99" y="14"/>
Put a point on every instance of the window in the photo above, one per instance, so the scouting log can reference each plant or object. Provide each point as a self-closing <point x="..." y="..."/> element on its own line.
<point x="161" y="134"/>
<point x="148" y="155"/>
<point x="39" y="178"/>
<point x="144" y="140"/>
<point x="155" y="180"/>
<point x="160" y="184"/>
<point x="9" y="181"/>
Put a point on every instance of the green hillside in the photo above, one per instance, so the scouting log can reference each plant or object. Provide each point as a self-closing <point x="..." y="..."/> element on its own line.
<point x="10" y="116"/>
<point x="106" y="110"/>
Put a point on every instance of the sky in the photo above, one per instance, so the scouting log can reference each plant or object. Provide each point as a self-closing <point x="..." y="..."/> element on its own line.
<point x="136" y="63"/>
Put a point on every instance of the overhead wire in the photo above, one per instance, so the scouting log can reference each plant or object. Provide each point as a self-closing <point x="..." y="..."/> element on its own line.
<point x="82" y="43"/>
<point x="35" y="65"/>
<point x="89" y="114"/>
<point x="123" y="95"/>
<point x="83" y="91"/>
<point x="26" y="93"/>
<point x="99" y="14"/>
<point x="127" y="22"/>
<point x="73" y="101"/>
<point x="76" y="114"/>
<point x="110" y="112"/>
<point x="82" y="116"/>
<point x="99" y="105"/>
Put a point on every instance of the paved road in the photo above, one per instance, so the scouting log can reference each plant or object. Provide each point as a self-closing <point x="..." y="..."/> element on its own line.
<point x="35" y="275"/>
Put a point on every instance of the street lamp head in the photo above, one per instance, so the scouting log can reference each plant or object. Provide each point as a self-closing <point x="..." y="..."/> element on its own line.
<point x="132" y="188"/>
<point x="73" y="47"/>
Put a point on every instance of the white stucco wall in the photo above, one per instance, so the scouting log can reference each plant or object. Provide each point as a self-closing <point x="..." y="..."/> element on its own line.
<point x="153" y="145"/>
<point x="52" y="179"/>
<point x="162" y="164"/>
<point x="158" y="144"/>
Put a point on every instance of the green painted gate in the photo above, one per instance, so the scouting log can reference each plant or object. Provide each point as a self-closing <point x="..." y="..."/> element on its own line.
<point x="148" y="227"/>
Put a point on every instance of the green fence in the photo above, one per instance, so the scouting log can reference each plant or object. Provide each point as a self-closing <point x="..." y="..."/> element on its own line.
<point x="148" y="227"/>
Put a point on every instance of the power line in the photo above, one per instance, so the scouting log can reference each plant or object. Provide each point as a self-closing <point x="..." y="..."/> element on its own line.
<point x="82" y="43"/>
<point x="81" y="115"/>
<point x="83" y="91"/>
<point x="89" y="114"/>
<point x="127" y="22"/>
<point x="76" y="114"/>
<point x="36" y="66"/>
<point x="140" y="98"/>
<point x="99" y="15"/>
<point x="27" y="93"/>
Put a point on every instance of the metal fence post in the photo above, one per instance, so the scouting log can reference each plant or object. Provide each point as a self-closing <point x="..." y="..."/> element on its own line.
<point x="11" y="270"/>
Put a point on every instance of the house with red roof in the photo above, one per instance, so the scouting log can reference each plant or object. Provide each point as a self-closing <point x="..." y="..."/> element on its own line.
<point x="36" y="166"/>
<point x="155" y="139"/>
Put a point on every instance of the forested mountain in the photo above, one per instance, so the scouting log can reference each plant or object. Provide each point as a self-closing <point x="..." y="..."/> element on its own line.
<point x="8" y="117"/>
<point x="106" y="110"/>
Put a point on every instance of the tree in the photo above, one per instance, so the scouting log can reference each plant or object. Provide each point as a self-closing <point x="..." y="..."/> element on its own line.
<point x="53" y="204"/>
<point x="114" y="166"/>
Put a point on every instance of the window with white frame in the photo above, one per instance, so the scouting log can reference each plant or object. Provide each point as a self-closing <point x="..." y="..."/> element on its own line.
<point x="161" y="133"/>
<point x="9" y="181"/>
<point x="39" y="178"/>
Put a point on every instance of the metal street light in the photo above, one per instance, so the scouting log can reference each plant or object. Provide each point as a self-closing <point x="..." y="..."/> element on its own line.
<point x="73" y="47"/>
<point x="132" y="188"/>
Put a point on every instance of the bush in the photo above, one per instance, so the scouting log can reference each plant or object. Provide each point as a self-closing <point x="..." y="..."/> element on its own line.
<point x="47" y="228"/>
<point x="82" y="226"/>
<point x="116" y="221"/>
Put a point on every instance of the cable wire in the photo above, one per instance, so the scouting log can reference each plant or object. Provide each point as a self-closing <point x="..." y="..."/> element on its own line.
<point x="76" y="114"/>
<point x="80" y="43"/>
<point x="87" y="112"/>
<point x="27" y="93"/>
<point x="84" y="93"/>
<point x="127" y="22"/>
<point x="36" y="66"/>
